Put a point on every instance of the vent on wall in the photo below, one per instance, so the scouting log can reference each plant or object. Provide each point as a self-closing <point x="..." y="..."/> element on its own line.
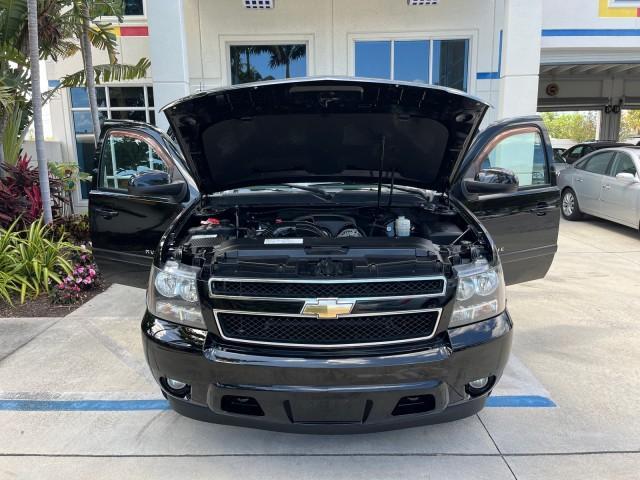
<point x="422" y="2"/>
<point x="258" y="3"/>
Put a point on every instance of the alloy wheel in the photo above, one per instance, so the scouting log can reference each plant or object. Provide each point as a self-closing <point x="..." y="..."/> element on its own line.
<point x="568" y="204"/>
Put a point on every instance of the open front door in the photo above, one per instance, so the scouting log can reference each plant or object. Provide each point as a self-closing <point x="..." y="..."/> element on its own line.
<point x="523" y="223"/>
<point x="140" y="187"/>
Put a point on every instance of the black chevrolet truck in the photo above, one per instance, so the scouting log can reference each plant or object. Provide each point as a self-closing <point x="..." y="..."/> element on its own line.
<point x="326" y="255"/>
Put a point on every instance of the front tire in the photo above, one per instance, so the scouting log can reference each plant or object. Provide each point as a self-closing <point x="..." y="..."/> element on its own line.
<point x="570" y="208"/>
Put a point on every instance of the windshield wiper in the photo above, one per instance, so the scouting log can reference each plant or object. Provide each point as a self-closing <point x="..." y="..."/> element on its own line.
<point x="318" y="192"/>
<point x="417" y="191"/>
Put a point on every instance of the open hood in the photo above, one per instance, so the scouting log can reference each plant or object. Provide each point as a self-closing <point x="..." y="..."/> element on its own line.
<point x="325" y="129"/>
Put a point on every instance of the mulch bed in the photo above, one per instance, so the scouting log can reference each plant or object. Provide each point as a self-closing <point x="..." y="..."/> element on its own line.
<point x="42" y="306"/>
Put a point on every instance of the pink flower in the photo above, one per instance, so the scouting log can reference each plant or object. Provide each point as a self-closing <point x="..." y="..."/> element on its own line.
<point x="92" y="272"/>
<point x="80" y="269"/>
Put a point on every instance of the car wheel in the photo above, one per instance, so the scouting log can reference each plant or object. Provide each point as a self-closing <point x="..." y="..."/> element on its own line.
<point x="570" y="208"/>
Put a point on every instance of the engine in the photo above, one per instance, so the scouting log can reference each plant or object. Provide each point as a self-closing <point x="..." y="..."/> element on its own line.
<point x="272" y="239"/>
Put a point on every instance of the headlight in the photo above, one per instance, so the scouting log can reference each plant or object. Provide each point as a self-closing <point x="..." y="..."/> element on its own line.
<point x="480" y="293"/>
<point x="173" y="294"/>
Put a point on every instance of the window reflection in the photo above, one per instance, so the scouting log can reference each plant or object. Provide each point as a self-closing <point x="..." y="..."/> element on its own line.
<point x="450" y="63"/>
<point x="253" y="63"/>
<point x="440" y="62"/>
<point x="373" y="59"/>
<point x="122" y="103"/>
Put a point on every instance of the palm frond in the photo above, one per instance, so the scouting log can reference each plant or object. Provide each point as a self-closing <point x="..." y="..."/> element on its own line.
<point x="6" y="97"/>
<point x="111" y="72"/>
<point x="10" y="53"/>
<point x="107" y="8"/>
<point x="102" y="37"/>
<point x="13" y="17"/>
<point x="11" y="139"/>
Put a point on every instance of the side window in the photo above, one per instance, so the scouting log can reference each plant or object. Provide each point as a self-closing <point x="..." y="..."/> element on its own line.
<point x="624" y="164"/>
<point x="574" y="154"/>
<point x="598" y="163"/>
<point x="524" y="154"/>
<point x="125" y="155"/>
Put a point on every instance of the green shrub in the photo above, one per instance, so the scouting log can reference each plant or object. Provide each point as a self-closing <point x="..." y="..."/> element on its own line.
<point x="31" y="260"/>
<point x="76" y="228"/>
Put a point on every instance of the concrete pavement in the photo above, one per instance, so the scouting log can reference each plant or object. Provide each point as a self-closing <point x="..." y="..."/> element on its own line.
<point x="577" y="343"/>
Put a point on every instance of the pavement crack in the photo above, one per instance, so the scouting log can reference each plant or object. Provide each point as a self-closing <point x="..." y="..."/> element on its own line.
<point x="121" y="353"/>
<point x="326" y="455"/>
<point x="497" y="447"/>
<point x="20" y="347"/>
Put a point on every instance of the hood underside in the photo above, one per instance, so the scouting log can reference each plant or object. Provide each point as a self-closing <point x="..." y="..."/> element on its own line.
<point x="323" y="130"/>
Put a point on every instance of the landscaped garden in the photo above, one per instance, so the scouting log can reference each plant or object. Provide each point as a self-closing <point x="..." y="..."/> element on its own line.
<point x="46" y="263"/>
<point x="45" y="270"/>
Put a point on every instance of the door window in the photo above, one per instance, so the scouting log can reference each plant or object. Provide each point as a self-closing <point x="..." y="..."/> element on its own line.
<point x="624" y="164"/>
<point x="125" y="155"/>
<point x="127" y="103"/>
<point x="598" y="163"/>
<point x="524" y="154"/>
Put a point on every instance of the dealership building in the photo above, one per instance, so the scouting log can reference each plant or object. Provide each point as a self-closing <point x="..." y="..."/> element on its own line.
<point x="521" y="56"/>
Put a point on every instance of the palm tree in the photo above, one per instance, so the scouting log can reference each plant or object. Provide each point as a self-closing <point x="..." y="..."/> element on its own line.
<point x="87" y="60"/>
<point x="64" y="26"/>
<point x="36" y="98"/>
<point x="284" y="55"/>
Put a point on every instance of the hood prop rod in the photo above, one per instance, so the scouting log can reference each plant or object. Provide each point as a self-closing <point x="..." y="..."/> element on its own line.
<point x="382" y="145"/>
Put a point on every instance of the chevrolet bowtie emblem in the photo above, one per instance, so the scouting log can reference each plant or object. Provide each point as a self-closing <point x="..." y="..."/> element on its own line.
<point x="327" y="308"/>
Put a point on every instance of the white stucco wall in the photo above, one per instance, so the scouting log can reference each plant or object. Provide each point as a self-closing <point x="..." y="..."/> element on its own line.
<point x="328" y="27"/>
<point x="599" y="40"/>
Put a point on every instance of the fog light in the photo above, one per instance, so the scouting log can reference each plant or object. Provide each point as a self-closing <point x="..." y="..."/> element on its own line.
<point x="176" y="387"/>
<point x="478" y="384"/>
<point x="176" y="384"/>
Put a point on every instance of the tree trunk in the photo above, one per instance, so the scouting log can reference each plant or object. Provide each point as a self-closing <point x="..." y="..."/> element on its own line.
<point x="287" y="69"/>
<point x="85" y="46"/>
<point x="36" y="98"/>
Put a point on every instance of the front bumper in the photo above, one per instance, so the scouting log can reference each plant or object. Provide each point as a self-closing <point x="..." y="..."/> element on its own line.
<point x="347" y="394"/>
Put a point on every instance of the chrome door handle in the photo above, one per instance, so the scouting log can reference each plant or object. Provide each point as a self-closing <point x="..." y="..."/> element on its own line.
<point x="541" y="209"/>
<point x="579" y="180"/>
<point x="606" y="187"/>
<point x="106" y="213"/>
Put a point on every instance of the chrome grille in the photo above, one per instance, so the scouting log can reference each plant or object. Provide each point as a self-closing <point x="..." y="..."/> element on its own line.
<point x="239" y="310"/>
<point x="327" y="289"/>
<point x="342" y="331"/>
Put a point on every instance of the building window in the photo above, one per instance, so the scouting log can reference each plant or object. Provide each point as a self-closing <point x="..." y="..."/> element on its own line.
<point x="134" y="7"/>
<point x="253" y="63"/>
<point x="624" y="3"/>
<point x="439" y="62"/>
<point x="121" y="103"/>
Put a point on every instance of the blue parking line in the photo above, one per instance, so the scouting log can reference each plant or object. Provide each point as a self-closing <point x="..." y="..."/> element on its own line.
<point x="509" y="401"/>
<point x="83" y="405"/>
<point x="497" y="401"/>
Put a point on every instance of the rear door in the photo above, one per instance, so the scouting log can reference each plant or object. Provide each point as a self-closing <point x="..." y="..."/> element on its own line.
<point x="524" y="223"/>
<point x="588" y="181"/>
<point x="128" y="215"/>
<point x="619" y="195"/>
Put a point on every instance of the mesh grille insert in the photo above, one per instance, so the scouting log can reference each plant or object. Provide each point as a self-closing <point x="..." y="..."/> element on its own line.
<point x="327" y="290"/>
<point x="314" y="331"/>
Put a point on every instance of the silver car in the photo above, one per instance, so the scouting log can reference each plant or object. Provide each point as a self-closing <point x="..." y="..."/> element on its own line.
<point x="605" y="184"/>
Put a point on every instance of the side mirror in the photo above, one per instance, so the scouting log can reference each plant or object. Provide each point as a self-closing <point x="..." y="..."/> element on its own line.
<point x="627" y="177"/>
<point x="155" y="182"/>
<point x="492" y="180"/>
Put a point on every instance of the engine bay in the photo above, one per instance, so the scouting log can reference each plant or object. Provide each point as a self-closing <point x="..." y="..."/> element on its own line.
<point x="328" y="241"/>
